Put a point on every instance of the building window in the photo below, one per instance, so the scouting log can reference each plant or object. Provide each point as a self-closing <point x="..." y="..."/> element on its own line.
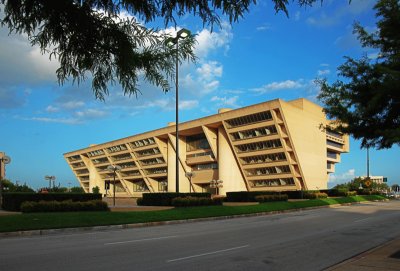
<point x="268" y="170"/>
<point x="249" y="119"/>
<point x="270" y="144"/>
<point x="206" y="166"/>
<point x="148" y="152"/>
<point x="139" y="186"/>
<point x="197" y="142"/>
<point x="118" y="148"/>
<point x="143" y="142"/>
<point x="246" y="134"/>
<point x="267" y="158"/>
<point x="153" y="161"/>
<point x="273" y="182"/>
<point x="334" y="144"/>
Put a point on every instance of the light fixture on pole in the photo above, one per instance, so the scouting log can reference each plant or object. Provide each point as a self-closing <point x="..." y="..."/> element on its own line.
<point x="50" y="179"/>
<point x="6" y="160"/>
<point x="170" y="42"/>
<point x="114" y="169"/>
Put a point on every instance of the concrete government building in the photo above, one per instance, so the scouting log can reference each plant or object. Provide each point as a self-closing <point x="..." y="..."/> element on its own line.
<point x="271" y="146"/>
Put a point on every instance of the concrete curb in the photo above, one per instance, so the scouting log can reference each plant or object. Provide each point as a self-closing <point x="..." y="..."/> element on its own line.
<point x="161" y="223"/>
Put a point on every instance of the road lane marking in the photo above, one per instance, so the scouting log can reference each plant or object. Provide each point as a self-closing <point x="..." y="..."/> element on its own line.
<point x="360" y="220"/>
<point x="140" y="240"/>
<point x="206" y="254"/>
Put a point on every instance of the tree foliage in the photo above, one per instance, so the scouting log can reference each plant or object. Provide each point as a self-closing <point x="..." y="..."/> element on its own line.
<point x="91" y="38"/>
<point x="11" y="187"/>
<point x="367" y="104"/>
<point x="358" y="182"/>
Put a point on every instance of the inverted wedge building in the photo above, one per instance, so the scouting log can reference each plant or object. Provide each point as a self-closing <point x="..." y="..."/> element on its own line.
<point x="271" y="146"/>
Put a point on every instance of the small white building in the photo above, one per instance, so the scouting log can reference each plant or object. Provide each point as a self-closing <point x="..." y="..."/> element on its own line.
<point x="375" y="179"/>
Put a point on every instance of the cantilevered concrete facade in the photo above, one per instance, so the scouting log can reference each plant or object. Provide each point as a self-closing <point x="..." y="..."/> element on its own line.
<point x="271" y="146"/>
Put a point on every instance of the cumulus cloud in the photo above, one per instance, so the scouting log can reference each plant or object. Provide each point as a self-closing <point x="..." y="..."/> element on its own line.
<point x="210" y="70"/>
<point x="22" y="64"/>
<point x="324" y="72"/>
<point x="342" y="178"/>
<point x="208" y="41"/>
<point x="282" y="85"/>
<point x="188" y="104"/>
<point x="224" y="101"/>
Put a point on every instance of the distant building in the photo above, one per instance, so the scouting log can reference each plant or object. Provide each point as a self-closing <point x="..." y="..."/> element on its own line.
<point x="375" y="179"/>
<point x="271" y="146"/>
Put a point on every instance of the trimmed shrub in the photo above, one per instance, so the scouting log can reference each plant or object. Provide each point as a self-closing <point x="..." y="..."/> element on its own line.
<point x="350" y="193"/>
<point x="315" y="195"/>
<point x="165" y="199"/>
<point x="368" y="192"/>
<point x="269" y="198"/>
<point x="63" y="206"/>
<point x="245" y="196"/>
<point x="13" y="201"/>
<point x="194" y="201"/>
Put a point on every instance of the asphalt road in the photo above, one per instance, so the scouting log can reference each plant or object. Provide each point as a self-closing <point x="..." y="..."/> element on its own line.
<point x="307" y="240"/>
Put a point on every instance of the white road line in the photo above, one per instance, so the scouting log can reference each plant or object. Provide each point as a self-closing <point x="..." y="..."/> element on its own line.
<point x="205" y="254"/>
<point x="140" y="240"/>
<point x="360" y="220"/>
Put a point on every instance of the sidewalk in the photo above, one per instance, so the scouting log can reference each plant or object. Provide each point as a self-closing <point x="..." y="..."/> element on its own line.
<point x="382" y="258"/>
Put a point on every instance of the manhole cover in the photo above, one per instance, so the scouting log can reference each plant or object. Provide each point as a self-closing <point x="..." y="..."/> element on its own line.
<point x="395" y="255"/>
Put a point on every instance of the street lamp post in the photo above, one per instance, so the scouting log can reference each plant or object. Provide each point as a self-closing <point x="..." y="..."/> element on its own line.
<point x="6" y="160"/>
<point x="114" y="169"/>
<point x="181" y="34"/>
<point x="50" y="178"/>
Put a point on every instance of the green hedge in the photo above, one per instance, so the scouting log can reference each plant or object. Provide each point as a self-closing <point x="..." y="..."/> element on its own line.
<point x="269" y="198"/>
<point x="315" y="195"/>
<point x="13" y="201"/>
<point x="195" y="201"/>
<point x="63" y="206"/>
<point x="245" y="196"/>
<point x="165" y="199"/>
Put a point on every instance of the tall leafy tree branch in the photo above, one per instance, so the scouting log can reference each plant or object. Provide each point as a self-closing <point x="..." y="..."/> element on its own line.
<point x="91" y="38"/>
<point x="367" y="103"/>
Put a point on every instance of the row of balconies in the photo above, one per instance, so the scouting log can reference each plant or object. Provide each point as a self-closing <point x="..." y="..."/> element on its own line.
<point x="249" y="119"/>
<point x="273" y="182"/>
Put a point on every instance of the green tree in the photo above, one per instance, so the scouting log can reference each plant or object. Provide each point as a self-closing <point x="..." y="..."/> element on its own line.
<point x="77" y="189"/>
<point x="96" y="190"/>
<point x="367" y="104"/>
<point x="110" y="48"/>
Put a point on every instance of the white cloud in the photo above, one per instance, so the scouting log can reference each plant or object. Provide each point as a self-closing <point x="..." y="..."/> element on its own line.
<point x="210" y="70"/>
<point x="22" y="64"/>
<point x="263" y="27"/>
<point x="53" y="120"/>
<point x="90" y="114"/>
<point x="324" y="72"/>
<point x="52" y="109"/>
<point x="188" y="104"/>
<point x="224" y="101"/>
<point x="282" y="85"/>
<point x="342" y="178"/>
<point x="72" y="105"/>
<point x="208" y="41"/>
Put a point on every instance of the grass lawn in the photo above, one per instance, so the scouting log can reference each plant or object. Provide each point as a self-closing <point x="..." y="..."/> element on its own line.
<point x="36" y="221"/>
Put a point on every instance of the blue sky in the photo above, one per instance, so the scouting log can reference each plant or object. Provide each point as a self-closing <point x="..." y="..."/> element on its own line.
<point x="263" y="57"/>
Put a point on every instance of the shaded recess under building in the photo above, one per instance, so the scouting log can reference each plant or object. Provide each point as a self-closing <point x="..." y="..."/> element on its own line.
<point x="271" y="146"/>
